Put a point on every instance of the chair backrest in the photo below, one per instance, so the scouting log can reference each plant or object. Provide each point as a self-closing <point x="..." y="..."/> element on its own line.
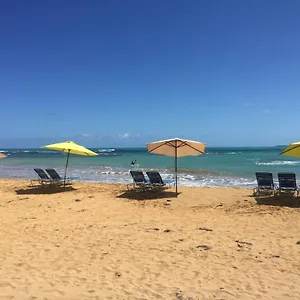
<point x="138" y="176"/>
<point x="41" y="173"/>
<point x="53" y="174"/>
<point x="287" y="180"/>
<point x="264" y="179"/>
<point x="155" y="177"/>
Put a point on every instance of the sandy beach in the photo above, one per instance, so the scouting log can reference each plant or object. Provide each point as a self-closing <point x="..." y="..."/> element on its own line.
<point x="99" y="241"/>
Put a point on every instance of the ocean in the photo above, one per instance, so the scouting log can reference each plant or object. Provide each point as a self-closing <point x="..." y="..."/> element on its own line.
<point x="230" y="167"/>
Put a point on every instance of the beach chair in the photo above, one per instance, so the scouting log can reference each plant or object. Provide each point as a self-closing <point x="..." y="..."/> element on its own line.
<point x="156" y="180"/>
<point x="43" y="178"/>
<point x="265" y="183"/>
<point x="287" y="183"/>
<point x="53" y="174"/>
<point x="56" y="177"/>
<point x="139" y="180"/>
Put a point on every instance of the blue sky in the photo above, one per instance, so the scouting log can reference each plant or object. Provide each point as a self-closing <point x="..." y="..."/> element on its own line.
<point x="122" y="73"/>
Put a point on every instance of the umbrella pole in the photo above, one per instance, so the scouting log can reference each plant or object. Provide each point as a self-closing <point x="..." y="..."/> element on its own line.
<point x="65" y="177"/>
<point x="176" y="167"/>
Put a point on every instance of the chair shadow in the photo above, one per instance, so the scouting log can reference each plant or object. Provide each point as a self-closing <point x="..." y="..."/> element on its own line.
<point x="147" y="195"/>
<point x="286" y="200"/>
<point x="44" y="190"/>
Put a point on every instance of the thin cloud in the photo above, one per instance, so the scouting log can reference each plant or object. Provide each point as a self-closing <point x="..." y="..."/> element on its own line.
<point x="128" y="135"/>
<point x="267" y="111"/>
<point x="125" y="135"/>
<point x="86" y="135"/>
<point x="115" y="136"/>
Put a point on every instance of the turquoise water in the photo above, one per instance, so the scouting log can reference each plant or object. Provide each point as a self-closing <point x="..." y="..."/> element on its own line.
<point x="217" y="167"/>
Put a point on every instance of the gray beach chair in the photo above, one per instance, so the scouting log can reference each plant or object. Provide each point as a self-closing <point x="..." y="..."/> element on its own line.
<point x="139" y="180"/>
<point x="43" y="178"/>
<point x="156" y="180"/>
<point x="265" y="183"/>
<point x="287" y="183"/>
<point x="56" y="177"/>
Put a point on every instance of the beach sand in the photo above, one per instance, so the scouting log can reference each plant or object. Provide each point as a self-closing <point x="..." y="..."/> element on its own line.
<point x="99" y="241"/>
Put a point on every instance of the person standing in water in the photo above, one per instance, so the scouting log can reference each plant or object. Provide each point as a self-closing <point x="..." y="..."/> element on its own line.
<point x="133" y="163"/>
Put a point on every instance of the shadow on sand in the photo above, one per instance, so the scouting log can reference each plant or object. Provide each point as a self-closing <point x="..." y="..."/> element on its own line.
<point x="147" y="195"/>
<point x="288" y="200"/>
<point x="44" y="190"/>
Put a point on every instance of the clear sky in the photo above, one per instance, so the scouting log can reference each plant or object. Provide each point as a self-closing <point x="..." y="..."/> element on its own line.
<point x="125" y="72"/>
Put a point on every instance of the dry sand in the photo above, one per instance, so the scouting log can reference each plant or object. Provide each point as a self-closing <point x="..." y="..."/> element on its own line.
<point x="98" y="241"/>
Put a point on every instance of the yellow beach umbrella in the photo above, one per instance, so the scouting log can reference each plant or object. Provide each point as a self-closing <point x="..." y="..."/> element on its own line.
<point x="292" y="150"/>
<point x="176" y="147"/>
<point x="70" y="147"/>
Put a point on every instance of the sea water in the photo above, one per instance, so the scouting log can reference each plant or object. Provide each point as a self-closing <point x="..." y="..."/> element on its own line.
<point x="231" y="167"/>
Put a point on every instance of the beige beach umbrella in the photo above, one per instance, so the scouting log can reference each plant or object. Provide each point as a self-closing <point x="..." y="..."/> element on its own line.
<point x="2" y="155"/>
<point x="176" y="147"/>
<point x="70" y="147"/>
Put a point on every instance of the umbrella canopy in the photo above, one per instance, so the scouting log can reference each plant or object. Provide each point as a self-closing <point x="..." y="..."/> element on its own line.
<point x="176" y="148"/>
<point x="2" y="155"/>
<point x="292" y="150"/>
<point x="70" y="147"/>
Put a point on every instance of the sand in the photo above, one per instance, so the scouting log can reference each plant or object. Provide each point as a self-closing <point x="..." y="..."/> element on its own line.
<point x="99" y="241"/>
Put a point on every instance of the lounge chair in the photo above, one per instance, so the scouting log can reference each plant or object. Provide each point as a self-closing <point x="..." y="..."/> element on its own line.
<point x="156" y="180"/>
<point x="265" y="183"/>
<point x="139" y="180"/>
<point x="53" y="174"/>
<point x="43" y="178"/>
<point x="56" y="177"/>
<point x="287" y="183"/>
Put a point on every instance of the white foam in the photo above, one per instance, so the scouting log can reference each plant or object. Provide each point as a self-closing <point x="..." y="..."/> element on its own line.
<point x="278" y="163"/>
<point x="108" y="174"/>
<point x="106" y="150"/>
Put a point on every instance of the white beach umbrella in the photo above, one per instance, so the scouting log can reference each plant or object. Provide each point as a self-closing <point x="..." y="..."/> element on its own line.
<point x="176" y="148"/>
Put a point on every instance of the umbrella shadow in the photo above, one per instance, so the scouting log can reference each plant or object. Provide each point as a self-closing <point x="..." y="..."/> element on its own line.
<point x="147" y="195"/>
<point x="278" y="200"/>
<point x="44" y="190"/>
